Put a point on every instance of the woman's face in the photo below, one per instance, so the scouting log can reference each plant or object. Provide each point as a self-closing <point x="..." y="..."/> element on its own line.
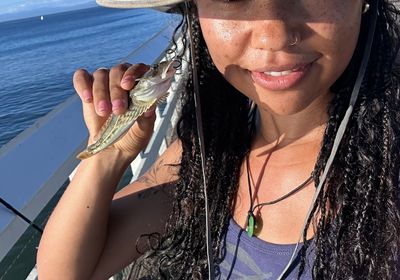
<point x="283" y="54"/>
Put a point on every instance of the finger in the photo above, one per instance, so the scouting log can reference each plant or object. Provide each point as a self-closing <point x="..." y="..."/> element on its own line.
<point x="119" y="96"/>
<point x="142" y="130"/>
<point x="101" y="94"/>
<point x="83" y="81"/>
<point x="83" y="84"/>
<point x="151" y="112"/>
<point x="131" y="74"/>
<point x="146" y="122"/>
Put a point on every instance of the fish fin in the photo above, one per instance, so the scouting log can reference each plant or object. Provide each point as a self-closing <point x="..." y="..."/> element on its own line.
<point x="162" y="99"/>
<point x="104" y="127"/>
<point x="138" y="107"/>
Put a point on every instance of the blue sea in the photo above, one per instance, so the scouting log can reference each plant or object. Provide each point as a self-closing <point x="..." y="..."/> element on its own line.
<point x="37" y="61"/>
<point x="38" y="57"/>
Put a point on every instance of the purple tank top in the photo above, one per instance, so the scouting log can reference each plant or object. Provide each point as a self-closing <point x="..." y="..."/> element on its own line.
<point x="251" y="258"/>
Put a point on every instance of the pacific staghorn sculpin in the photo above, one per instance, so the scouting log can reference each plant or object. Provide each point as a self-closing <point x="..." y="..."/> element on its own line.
<point x="150" y="90"/>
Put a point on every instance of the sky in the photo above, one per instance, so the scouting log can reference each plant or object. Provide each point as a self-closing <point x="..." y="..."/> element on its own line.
<point x="12" y="9"/>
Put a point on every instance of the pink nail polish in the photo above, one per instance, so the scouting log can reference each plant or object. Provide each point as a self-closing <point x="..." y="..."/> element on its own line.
<point x="118" y="104"/>
<point x="87" y="95"/>
<point x="103" y="106"/>
<point x="149" y="114"/>
<point x="127" y="80"/>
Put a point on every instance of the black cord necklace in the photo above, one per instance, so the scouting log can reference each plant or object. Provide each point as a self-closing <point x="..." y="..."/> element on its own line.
<point x="254" y="224"/>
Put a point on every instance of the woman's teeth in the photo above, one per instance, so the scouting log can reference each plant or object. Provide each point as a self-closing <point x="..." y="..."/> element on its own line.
<point x="279" y="74"/>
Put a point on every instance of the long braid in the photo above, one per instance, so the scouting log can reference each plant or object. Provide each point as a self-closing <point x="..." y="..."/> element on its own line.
<point x="361" y="213"/>
<point x="225" y="114"/>
<point x="335" y="114"/>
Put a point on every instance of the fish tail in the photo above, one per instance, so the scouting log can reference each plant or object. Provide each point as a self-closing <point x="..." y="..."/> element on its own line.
<point x="84" y="155"/>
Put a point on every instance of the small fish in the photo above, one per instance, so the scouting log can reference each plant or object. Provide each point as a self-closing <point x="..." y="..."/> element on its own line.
<point x="150" y="90"/>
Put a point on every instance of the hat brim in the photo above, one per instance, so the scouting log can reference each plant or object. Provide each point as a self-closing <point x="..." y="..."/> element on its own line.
<point x="128" y="4"/>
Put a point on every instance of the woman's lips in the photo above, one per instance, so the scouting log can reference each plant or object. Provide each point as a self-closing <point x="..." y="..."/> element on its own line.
<point x="280" y="80"/>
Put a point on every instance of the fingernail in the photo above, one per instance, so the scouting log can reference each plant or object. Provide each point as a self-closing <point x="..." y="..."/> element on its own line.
<point x="87" y="95"/>
<point x="150" y="113"/>
<point x="103" y="106"/>
<point x="118" y="104"/>
<point x="127" y="80"/>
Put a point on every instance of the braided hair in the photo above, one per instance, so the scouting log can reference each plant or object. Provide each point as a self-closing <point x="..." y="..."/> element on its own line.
<point x="358" y="233"/>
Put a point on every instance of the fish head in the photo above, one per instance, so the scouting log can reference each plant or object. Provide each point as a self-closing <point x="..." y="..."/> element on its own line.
<point x="167" y="69"/>
<point x="156" y="82"/>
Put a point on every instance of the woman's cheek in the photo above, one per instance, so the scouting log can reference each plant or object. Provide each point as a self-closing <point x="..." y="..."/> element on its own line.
<point x="336" y="43"/>
<point x="223" y="41"/>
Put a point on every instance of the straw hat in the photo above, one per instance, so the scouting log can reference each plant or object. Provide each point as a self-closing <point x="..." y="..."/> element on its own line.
<point x="137" y="3"/>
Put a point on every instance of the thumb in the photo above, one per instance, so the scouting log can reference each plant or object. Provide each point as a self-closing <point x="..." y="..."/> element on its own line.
<point x="145" y="124"/>
<point x="140" y="133"/>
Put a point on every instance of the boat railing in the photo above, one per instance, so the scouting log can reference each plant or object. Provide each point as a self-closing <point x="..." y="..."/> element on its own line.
<point x="36" y="164"/>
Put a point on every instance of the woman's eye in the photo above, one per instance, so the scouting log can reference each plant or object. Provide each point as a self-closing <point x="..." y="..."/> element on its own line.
<point x="233" y="6"/>
<point x="228" y="1"/>
<point x="232" y="2"/>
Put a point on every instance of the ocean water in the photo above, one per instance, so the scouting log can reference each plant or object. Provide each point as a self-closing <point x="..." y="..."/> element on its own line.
<point x="38" y="57"/>
<point x="37" y="62"/>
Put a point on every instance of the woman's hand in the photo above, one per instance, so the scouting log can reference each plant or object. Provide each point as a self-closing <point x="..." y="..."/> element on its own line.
<point x="105" y="92"/>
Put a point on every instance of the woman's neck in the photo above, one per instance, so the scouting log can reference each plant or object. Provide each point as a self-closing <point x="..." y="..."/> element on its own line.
<point x="303" y="127"/>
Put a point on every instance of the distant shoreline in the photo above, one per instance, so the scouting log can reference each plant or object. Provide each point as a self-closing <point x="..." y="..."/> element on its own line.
<point x="25" y="15"/>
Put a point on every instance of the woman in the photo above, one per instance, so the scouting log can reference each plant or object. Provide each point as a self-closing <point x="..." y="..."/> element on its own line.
<point x="297" y="61"/>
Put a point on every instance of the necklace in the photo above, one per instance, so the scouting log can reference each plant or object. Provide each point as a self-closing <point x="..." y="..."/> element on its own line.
<point x="254" y="224"/>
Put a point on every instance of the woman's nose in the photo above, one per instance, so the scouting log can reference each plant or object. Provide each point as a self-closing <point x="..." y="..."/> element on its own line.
<point x="273" y="35"/>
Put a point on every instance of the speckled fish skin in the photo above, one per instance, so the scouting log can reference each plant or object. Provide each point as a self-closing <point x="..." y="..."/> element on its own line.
<point x="151" y="90"/>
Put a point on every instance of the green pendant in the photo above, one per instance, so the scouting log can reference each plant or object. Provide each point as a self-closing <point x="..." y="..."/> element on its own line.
<point x="258" y="224"/>
<point x="250" y="224"/>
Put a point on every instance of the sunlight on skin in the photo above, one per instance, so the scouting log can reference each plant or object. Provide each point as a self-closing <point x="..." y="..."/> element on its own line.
<point x="260" y="40"/>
